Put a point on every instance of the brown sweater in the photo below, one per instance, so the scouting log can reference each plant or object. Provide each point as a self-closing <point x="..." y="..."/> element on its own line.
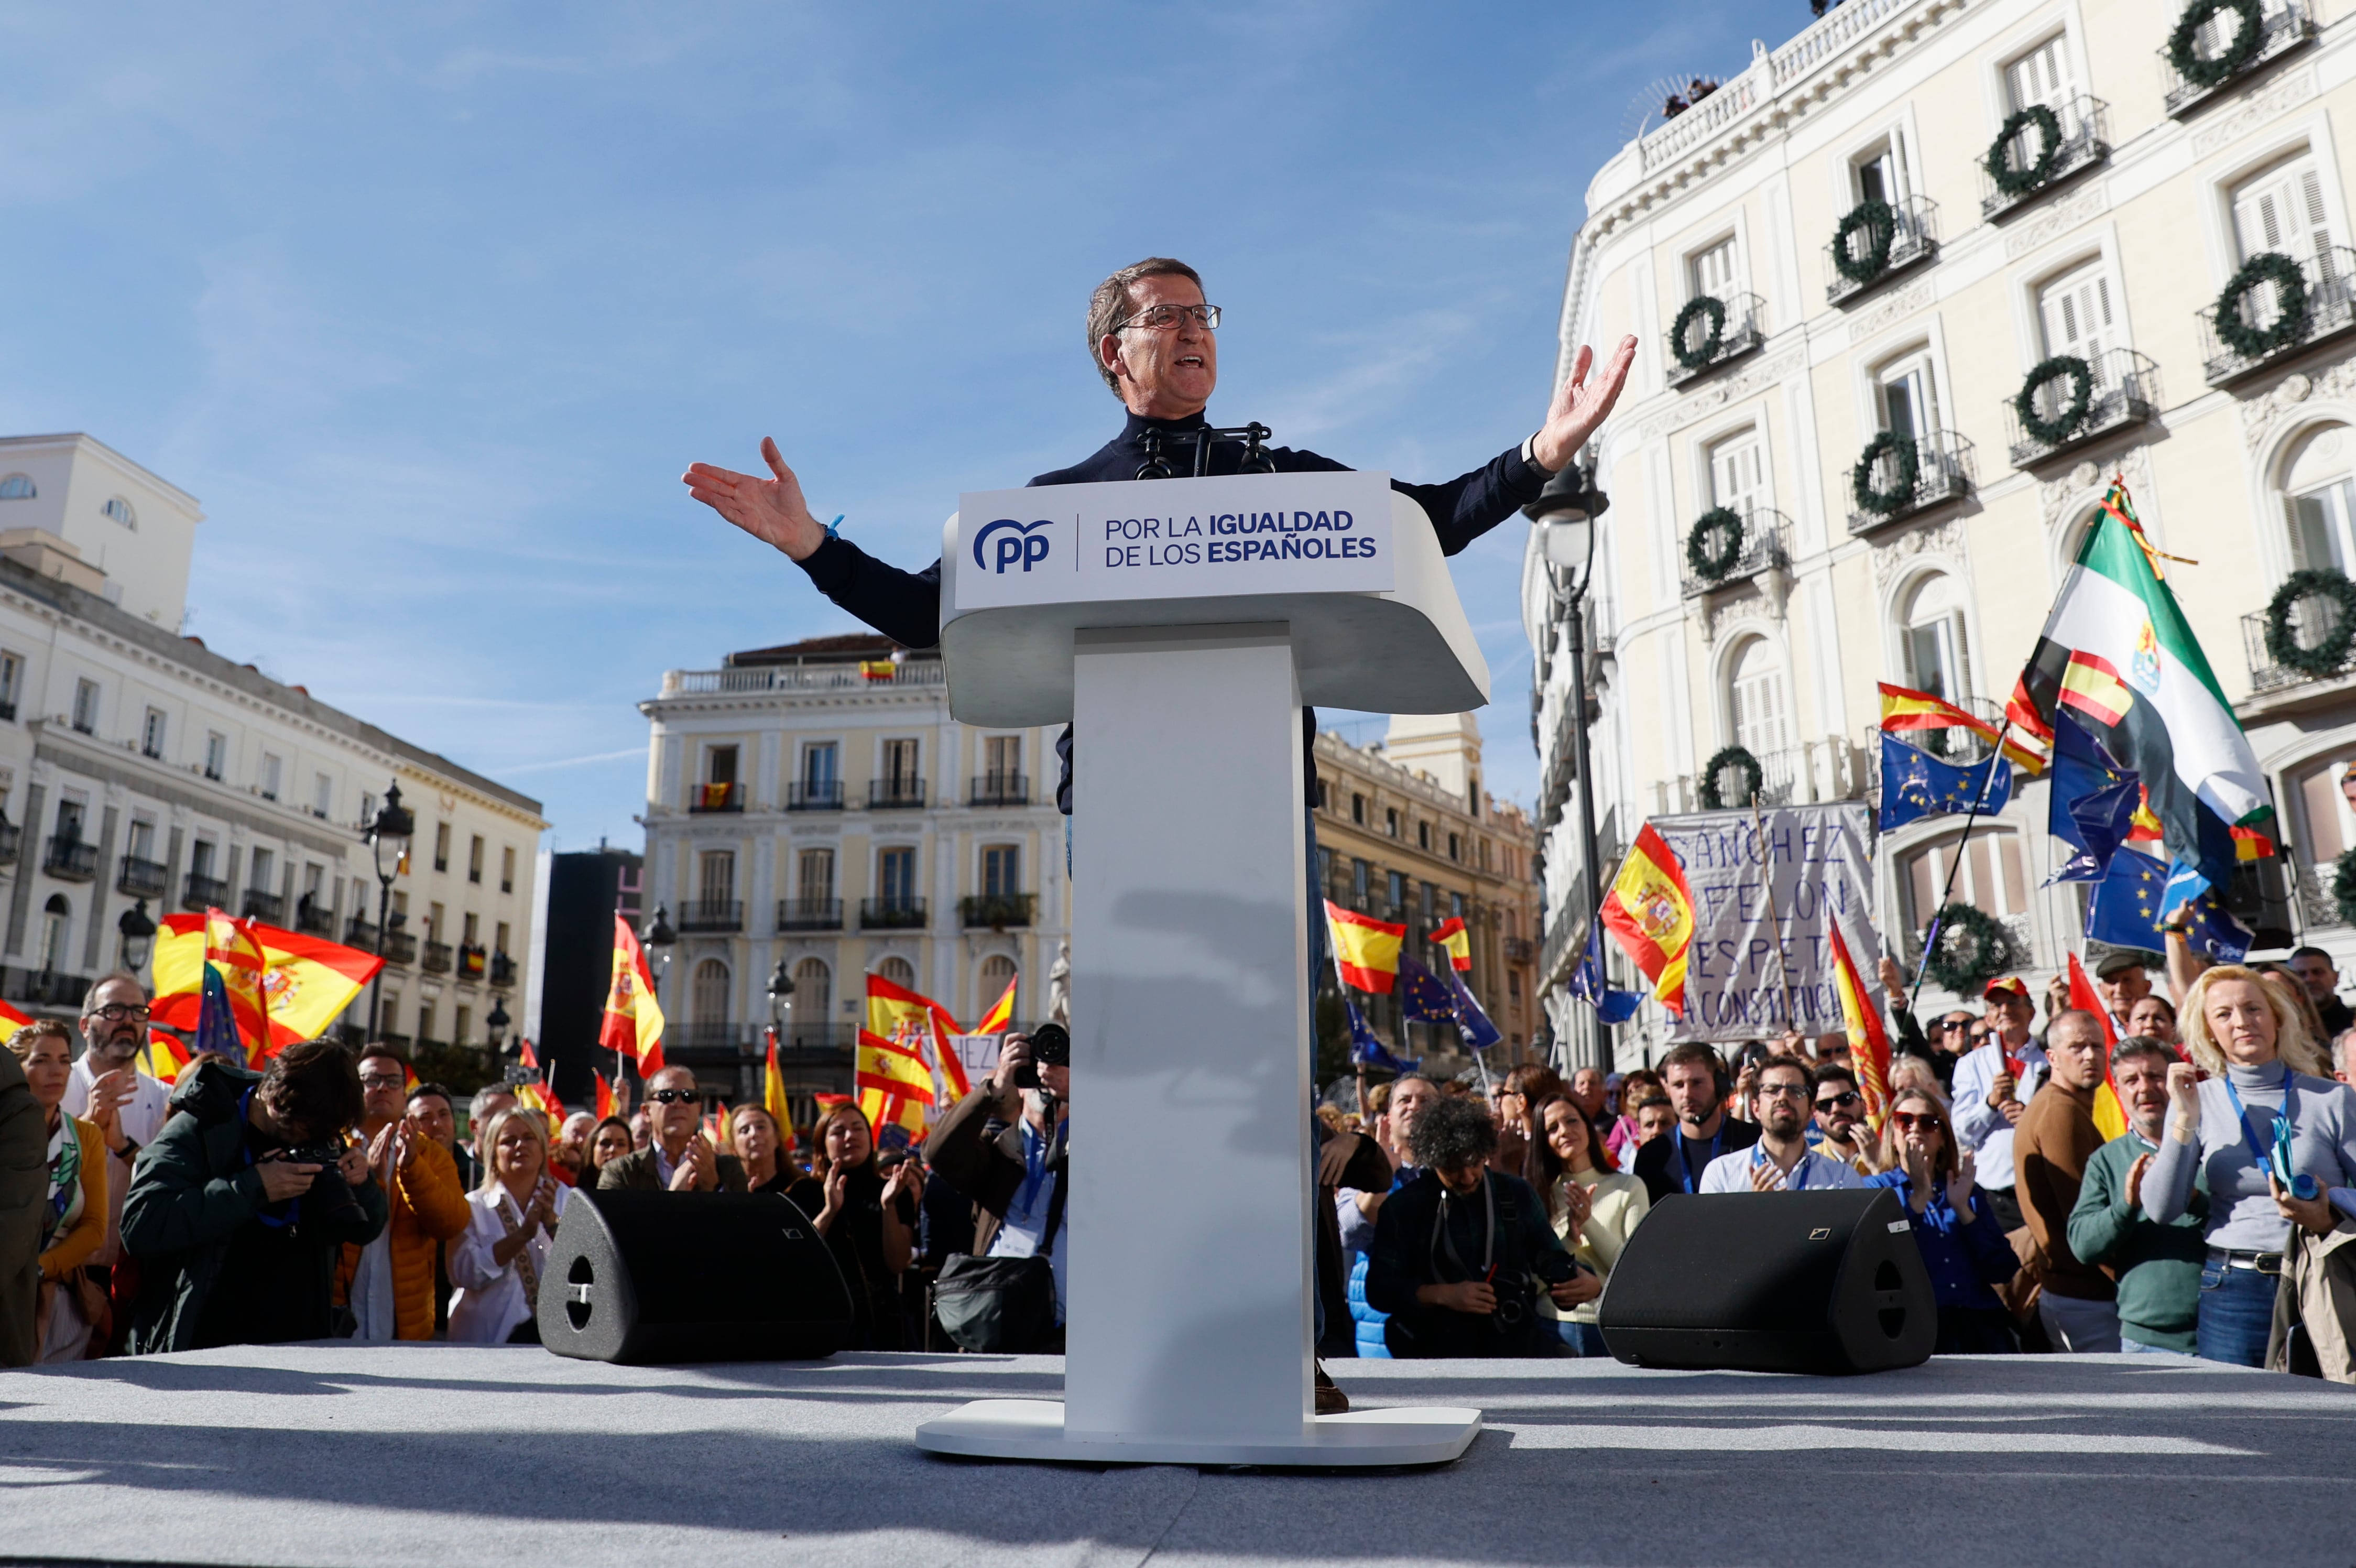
<point x="2050" y="1146"/>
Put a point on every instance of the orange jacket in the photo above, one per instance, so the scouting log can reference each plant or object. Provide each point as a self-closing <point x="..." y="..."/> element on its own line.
<point x="428" y="1208"/>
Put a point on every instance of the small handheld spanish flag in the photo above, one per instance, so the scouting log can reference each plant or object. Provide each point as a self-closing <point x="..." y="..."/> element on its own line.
<point x="1650" y="913"/>
<point x="1366" y="949"/>
<point x="1452" y="935"/>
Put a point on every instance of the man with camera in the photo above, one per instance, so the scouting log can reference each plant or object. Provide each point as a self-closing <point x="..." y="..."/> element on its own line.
<point x="1462" y="1251"/>
<point x="240" y="1206"/>
<point x="390" y="1282"/>
<point x="1016" y="1178"/>
<point x="677" y="1157"/>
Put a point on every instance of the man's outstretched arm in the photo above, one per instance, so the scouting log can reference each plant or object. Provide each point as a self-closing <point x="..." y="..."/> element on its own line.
<point x="904" y="605"/>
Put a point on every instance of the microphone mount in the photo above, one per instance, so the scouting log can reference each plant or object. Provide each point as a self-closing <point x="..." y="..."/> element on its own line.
<point x="1256" y="458"/>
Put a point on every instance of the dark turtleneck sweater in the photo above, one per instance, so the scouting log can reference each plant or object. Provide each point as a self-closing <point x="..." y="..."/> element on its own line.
<point x="906" y="606"/>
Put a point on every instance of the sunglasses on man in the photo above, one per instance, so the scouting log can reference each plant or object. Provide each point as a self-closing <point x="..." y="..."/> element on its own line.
<point x="675" y="1096"/>
<point x="1834" y="1102"/>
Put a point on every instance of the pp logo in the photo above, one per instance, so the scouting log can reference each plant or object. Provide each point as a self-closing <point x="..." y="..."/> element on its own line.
<point x="1018" y="544"/>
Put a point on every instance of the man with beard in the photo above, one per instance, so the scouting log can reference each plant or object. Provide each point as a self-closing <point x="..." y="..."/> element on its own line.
<point x="107" y="1089"/>
<point x="1781" y="1161"/>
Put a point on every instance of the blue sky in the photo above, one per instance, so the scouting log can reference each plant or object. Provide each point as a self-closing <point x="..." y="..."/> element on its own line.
<point x="430" y="305"/>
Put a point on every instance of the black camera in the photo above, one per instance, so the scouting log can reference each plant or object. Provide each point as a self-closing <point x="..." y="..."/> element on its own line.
<point x="329" y="1200"/>
<point x="1051" y="1046"/>
<point x="1516" y="1291"/>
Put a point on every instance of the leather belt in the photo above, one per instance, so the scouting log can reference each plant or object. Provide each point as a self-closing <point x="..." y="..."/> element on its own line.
<point x="2258" y="1263"/>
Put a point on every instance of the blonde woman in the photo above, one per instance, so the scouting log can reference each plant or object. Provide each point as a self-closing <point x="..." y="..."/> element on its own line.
<point x="496" y="1263"/>
<point x="73" y="1208"/>
<point x="1909" y="1071"/>
<point x="1954" y="1228"/>
<point x="2248" y="1031"/>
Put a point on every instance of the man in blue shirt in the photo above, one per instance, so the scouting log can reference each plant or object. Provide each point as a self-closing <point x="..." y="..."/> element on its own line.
<point x="1781" y="1161"/>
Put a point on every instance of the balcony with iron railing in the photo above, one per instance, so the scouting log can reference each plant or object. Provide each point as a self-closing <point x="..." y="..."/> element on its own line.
<point x="472" y="960"/>
<point x="71" y="860"/>
<point x="142" y="878"/>
<point x="400" y="946"/>
<point x="814" y="795"/>
<point x="892" y="914"/>
<point x="1746" y="545"/>
<point x="202" y="892"/>
<point x="503" y="971"/>
<point x="2229" y="59"/>
<point x="2058" y="143"/>
<point x="1877" y="242"/>
<point x="2119" y="390"/>
<point x="2288" y="307"/>
<point x="360" y="934"/>
<point x="704" y="798"/>
<point x="12" y="843"/>
<point x="712" y="915"/>
<point x="312" y="920"/>
<point x="1908" y="476"/>
<point x="47" y="987"/>
<point x="1703" y="339"/>
<point x="439" y="959"/>
<point x="996" y="911"/>
<point x="999" y="789"/>
<point x="913" y="671"/>
<point x="268" y="907"/>
<point x="2312" y="643"/>
<point x="895" y="794"/>
<point x="809" y="914"/>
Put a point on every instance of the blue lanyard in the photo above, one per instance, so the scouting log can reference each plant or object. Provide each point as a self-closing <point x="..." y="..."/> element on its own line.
<point x="2258" y="1151"/>
<point x="1797" y="1181"/>
<point x="1685" y="1166"/>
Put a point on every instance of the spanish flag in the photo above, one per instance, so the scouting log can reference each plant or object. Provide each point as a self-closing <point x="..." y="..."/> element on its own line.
<point x="894" y="1083"/>
<point x="714" y="797"/>
<point x="878" y="669"/>
<point x="1366" y="950"/>
<point x="1868" y="1041"/>
<point x="10" y="1019"/>
<point x="1649" y="912"/>
<point x="165" y="1058"/>
<point x="633" y="1020"/>
<point x="1451" y="934"/>
<point x="1001" y="1017"/>
<point x="604" y="1095"/>
<point x="918" y="1023"/>
<point x="306" y="981"/>
<point x="773" y="1099"/>
<point x="543" y="1099"/>
<point x="1903" y="708"/>
<point x="2110" y="1116"/>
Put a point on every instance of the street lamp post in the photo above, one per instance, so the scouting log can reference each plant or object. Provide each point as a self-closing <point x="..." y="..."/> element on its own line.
<point x="388" y="832"/>
<point x="781" y="1008"/>
<point x="494" y="1026"/>
<point x="138" y="933"/>
<point x="1566" y="511"/>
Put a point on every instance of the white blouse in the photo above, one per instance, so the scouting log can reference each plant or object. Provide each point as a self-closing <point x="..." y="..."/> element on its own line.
<point x="489" y="1301"/>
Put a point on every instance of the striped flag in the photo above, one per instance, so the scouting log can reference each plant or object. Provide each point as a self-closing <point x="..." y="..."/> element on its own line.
<point x="1868" y="1041"/>
<point x="1366" y="950"/>
<point x="634" y="1018"/>
<point x="2110" y="1116"/>
<point x="1902" y="708"/>
<point x="920" y="1023"/>
<point x="165" y="1057"/>
<point x="1001" y="1017"/>
<point x="1650" y="913"/>
<point x="1452" y="935"/>
<point x="2118" y="653"/>
<point x="306" y="981"/>
<point x="10" y="1019"/>
<point x="773" y="1099"/>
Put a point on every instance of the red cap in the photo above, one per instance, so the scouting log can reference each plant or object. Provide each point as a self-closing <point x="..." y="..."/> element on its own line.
<point x="2011" y="986"/>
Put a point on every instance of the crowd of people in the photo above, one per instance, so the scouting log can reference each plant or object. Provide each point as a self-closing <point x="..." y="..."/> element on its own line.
<point x="331" y="1194"/>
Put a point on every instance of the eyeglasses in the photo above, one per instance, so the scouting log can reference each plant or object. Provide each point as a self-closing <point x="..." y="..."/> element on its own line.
<point x="1912" y="1121"/>
<point x="1168" y="317"/>
<point x="380" y="1080"/>
<point x="1955" y="1023"/>
<point x="123" y="1012"/>
<point x="1784" y="1090"/>
<point x="1850" y="1098"/>
<point x="675" y="1096"/>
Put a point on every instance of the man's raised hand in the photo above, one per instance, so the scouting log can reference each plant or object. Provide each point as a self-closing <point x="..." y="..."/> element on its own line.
<point x="771" y="511"/>
<point x="1580" y="405"/>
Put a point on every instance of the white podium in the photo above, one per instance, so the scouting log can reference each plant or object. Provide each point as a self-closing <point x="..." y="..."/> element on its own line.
<point x="1182" y="625"/>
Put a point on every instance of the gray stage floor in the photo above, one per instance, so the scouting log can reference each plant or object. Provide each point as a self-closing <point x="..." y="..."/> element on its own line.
<point x="449" y="1456"/>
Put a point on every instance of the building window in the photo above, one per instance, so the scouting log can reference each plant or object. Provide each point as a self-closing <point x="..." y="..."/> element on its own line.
<point x="499" y="938"/>
<point x="1713" y="272"/>
<point x="2041" y="76"/>
<point x="142" y="839"/>
<point x="12" y="677"/>
<point x="1455" y="847"/>
<point x="1323" y="803"/>
<point x="475" y="858"/>
<point x="507" y="868"/>
<point x="1423" y="836"/>
<point x="2075" y="315"/>
<point x="1362" y="875"/>
<point x="1456" y="909"/>
<point x="315" y="882"/>
<point x="1906" y="398"/>
<point x="216" y="755"/>
<point x="710" y="1002"/>
<point x="471" y="930"/>
<point x="441" y="846"/>
<point x="462" y="1032"/>
<point x="69" y="815"/>
<point x="426" y="1023"/>
<point x="895" y="877"/>
<point x="1937" y="658"/>
<point x="1325" y="869"/>
<point x="85" y="707"/>
<point x="1514" y="986"/>
<point x="814" y="875"/>
<point x="2282" y="209"/>
<point x="16" y="487"/>
<point x="1880" y="175"/>
<point x="200" y="858"/>
<point x="1756" y="702"/>
<point x="1991" y="878"/>
<point x="120" y="511"/>
<point x="1358" y="810"/>
<point x="818" y="767"/>
<point x="899" y="971"/>
<point x="900" y="766"/>
<point x="1003" y="763"/>
<point x="260" y="878"/>
<point x="2320" y="499"/>
<point x="151" y="734"/>
<point x="1390" y="819"/>
<point x="997" y="974"/>
<point x="1002" y="871"/>
<point x="1738" y="473"/>
<point x="434" y="917"/>
<point x="323" y="796"/>
<point x="716" y="877"/>
<point x="271" y="767"/>
<point x="1398" y="891"/>
<point x="57" y="932"/>
<point x="813" y="997"/>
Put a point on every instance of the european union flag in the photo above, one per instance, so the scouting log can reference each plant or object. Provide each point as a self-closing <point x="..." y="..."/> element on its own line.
<point x="1916" y="784"/>
<point x="216" y="1024"/>
<point x="2126" y="910"/>
<point x="1586" y="983"/>
<point x="1366" y="1048"/>
<point x="1471" y="1022"/>
<point x="2092" y="801"/>
<point x="1421" y="996"/>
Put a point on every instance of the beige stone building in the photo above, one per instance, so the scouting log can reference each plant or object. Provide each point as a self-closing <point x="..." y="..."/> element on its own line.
<point x="1405" y="832"/>
<point x="1864" y="305"/>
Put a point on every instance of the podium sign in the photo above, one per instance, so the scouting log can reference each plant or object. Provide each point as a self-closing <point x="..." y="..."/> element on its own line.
<point x="1181" y="625"/>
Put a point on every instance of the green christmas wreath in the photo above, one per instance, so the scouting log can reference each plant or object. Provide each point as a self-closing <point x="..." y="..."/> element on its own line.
<point x="1699" y="306"/>
<point x="2064" y="425"/>
<point x="1719" y="523"/>
<point x="2290" y="286"/>
<point x="1879" y="220"/>
<point x="1899" y="496"/>
<point x="1969" y="948"/>
<point x="2186" y="58"/>
<point x="1754" y="777"/>
<point x="2343" y="886"/>
<point x="2020" y="181"/>
<point x="2282" y="639"/>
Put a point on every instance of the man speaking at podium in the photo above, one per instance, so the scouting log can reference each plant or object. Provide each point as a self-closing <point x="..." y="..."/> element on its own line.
<point x="1155" y="343"/>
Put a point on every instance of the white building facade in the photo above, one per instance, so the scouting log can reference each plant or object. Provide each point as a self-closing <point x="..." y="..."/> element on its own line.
<point x="815" y="806"/>
<point x="1865" y="308"/>
<point x="140" y="772"/>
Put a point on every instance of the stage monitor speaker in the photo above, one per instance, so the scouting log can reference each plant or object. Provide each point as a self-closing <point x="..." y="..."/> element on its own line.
<point x="655" y="1277"/>
<point x="1772" y="1282"/>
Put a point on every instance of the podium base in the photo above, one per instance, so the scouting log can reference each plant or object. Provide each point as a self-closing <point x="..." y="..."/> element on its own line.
<point x="1034" y="1429"/>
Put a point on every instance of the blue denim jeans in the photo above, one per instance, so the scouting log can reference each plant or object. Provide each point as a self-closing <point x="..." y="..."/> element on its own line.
<point x="1580" y="1339"/>
<point x="2237" y="1313"/>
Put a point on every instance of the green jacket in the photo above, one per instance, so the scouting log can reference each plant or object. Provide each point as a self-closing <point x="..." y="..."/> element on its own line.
<point x="24" y="1193"/>
<point x="191" y="1190"/>
<point x="2157" y="1266"/>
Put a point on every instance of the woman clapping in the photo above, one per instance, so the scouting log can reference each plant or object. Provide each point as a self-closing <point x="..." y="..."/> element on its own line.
<point x="496" y="1263"/>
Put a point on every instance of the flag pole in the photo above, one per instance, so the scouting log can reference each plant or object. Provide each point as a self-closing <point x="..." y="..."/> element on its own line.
<point x="1946" y="893"/>
<point x="1759" y="826"/>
